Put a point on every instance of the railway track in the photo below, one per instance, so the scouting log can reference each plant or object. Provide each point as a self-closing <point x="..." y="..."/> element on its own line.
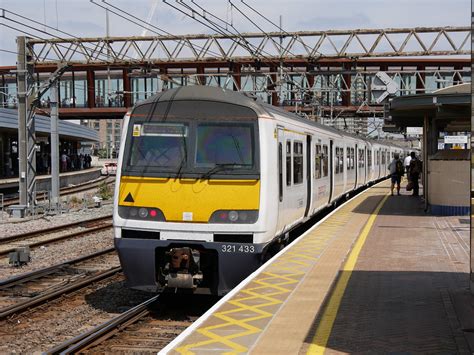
<point x="32" y="289"/>
<point x="54" y="234"/>
<point x="66" y="190"/>
<point x="136" y="330"/>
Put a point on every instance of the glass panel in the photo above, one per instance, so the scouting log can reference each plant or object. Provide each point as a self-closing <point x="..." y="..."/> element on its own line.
<point x="158" y="150"/>
<point x="224" y="144"/>
<point x="297" y="162"/>
<point x="325" y="161"/>
<point x="317" y="163"/>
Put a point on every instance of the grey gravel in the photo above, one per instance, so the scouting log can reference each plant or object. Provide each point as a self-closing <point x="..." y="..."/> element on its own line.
<point x="52" y="254"/>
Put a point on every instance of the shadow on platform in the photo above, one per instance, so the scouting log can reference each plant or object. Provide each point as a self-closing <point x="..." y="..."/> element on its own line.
<point x="402" y="312"/>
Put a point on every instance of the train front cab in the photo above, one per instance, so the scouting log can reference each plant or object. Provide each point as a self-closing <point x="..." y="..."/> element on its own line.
<point x="196" y="221"/>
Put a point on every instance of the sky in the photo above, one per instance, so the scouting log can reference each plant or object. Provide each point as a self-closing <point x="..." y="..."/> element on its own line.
<point x="82" y="18"/>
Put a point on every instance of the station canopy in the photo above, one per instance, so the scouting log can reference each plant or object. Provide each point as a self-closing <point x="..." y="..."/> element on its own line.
<point x="449" y="109"/>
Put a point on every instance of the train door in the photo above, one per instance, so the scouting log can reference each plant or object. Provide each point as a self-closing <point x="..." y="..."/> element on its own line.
<point x="366" y="155"/>
<point x="331" y="169"/>
<point x="281" y="174"/>
<point x="309" y="180"/>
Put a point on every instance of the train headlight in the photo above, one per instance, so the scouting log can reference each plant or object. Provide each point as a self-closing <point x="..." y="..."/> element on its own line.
<point x="141" y="213"/>
<point x="234" y="216"/>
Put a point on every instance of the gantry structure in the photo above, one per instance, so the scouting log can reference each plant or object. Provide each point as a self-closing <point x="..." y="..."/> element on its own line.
<point x="325" y="75"/>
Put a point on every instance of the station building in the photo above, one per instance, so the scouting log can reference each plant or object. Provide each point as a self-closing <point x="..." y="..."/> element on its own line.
<point x="74" y="139"/>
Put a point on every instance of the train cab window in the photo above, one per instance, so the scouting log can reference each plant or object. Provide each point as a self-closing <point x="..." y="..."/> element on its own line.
<point x="325" y="161"/>
<point x="297" y="162"/>
<point x="288" y="163"/>
<point x="317" y="162"/>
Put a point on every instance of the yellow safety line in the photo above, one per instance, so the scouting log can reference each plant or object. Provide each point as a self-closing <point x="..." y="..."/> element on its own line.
<point x="320" y="339"/>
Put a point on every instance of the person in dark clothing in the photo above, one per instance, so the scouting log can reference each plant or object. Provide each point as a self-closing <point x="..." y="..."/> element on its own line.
<point x="415" y="171"/>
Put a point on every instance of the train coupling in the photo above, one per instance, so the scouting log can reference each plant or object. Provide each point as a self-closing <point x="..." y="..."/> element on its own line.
<point x="182" y="269"/>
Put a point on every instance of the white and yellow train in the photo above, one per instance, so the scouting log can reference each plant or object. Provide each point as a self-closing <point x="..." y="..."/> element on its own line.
<point x="210" y="182"/>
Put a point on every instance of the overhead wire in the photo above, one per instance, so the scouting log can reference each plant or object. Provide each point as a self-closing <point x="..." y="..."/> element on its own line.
<point x="48" y="33"/>
<point x="274" y="24"/>
<point x="149" y="26"/>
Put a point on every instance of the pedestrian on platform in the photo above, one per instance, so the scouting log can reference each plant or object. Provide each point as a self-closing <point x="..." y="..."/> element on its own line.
<point x="415" y="169"/>
<point x="64" y="159"/>
<point x="406" y="163"/>
<point x="396" y="172"/>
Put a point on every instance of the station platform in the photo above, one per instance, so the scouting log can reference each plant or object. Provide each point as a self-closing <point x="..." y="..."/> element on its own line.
<point x="377" y="275"/>
<point x="43" y="182"/>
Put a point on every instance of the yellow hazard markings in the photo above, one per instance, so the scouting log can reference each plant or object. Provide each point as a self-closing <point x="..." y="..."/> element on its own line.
<point x="323" y="331"/>
<point x="237" y="324"/>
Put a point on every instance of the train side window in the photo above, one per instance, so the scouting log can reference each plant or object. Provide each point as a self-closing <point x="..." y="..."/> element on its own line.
<point x="288" y="163"/>
<point x="297" y="162"/>
<point x="325" y="160"/>
<point x="336" y="161"/>
<point x="280" y="171"/>
<point x="348" y="155"/>
<point x="377" y="156"/>
<point x="352" y="157"/>
<point x="317" y="162"/>
<point x="341" y="160"/>
<point x="369" y="158"/>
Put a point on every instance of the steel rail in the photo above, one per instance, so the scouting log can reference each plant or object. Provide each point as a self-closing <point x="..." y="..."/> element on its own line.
<point x="38" y="300"/>
<point x="52" y="229"/>
<point x="59" y="238"/>
<point x="15" y="280"/>
<point x="103" y="331"/>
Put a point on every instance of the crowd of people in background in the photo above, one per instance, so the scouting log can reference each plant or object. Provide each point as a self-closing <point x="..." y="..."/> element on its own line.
<point x="67" y="162"/>
<point x="74" y="162"/>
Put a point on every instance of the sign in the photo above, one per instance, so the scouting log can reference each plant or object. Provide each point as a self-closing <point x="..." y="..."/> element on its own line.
<point x="415" y="130"/>
<point x="455" y="139"/>
<point x="136" y="130"/>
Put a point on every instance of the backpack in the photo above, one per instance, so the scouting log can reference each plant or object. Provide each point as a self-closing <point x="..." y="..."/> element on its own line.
<point x="399" y="168"/>
<point x="415" y="166"/>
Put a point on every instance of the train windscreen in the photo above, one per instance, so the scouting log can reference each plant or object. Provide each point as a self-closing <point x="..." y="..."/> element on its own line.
<point x="224" y="144"/>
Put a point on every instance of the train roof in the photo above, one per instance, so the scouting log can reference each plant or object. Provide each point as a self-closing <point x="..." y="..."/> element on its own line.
<point x="207" y="93"/>
<point x="218" y="94"/>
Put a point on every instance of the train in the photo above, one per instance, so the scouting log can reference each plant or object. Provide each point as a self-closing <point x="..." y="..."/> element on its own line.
<point x="211" y="181"/>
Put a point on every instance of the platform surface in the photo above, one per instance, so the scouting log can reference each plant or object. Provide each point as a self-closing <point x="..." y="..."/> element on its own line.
<point x="378" y="275"/>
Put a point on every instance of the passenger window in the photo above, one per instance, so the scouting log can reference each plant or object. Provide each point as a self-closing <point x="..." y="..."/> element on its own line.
<point x="288" y="163"/>
<point x="297" y="162"/>
<point x="341" y="160"/>
<point x="325" y="160"/>
<point x="318" y="162"/>
<point x="336" y="161"/>
<point x="369" y="158"/>
<point x="352" y="158"/>
<point x="348" y="155"/>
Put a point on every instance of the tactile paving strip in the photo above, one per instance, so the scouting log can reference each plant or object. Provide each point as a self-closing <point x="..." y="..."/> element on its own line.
<point x="237" y="324"/>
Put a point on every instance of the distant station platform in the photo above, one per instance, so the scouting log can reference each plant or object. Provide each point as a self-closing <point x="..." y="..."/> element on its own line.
<point x="43" y="182"/>
<point x="377" y="275"/>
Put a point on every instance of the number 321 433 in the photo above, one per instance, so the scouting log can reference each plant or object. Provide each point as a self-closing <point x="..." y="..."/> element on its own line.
<point x="227" y="248"/>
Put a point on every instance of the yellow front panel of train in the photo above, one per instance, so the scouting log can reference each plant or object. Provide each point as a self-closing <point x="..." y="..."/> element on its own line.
<point x="177" y="198"/>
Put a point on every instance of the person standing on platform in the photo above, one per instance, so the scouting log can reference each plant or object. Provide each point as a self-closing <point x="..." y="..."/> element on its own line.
<point x="396" y="172"/>
<point x="415" y="171"/>
<point x="406" y="163"/>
